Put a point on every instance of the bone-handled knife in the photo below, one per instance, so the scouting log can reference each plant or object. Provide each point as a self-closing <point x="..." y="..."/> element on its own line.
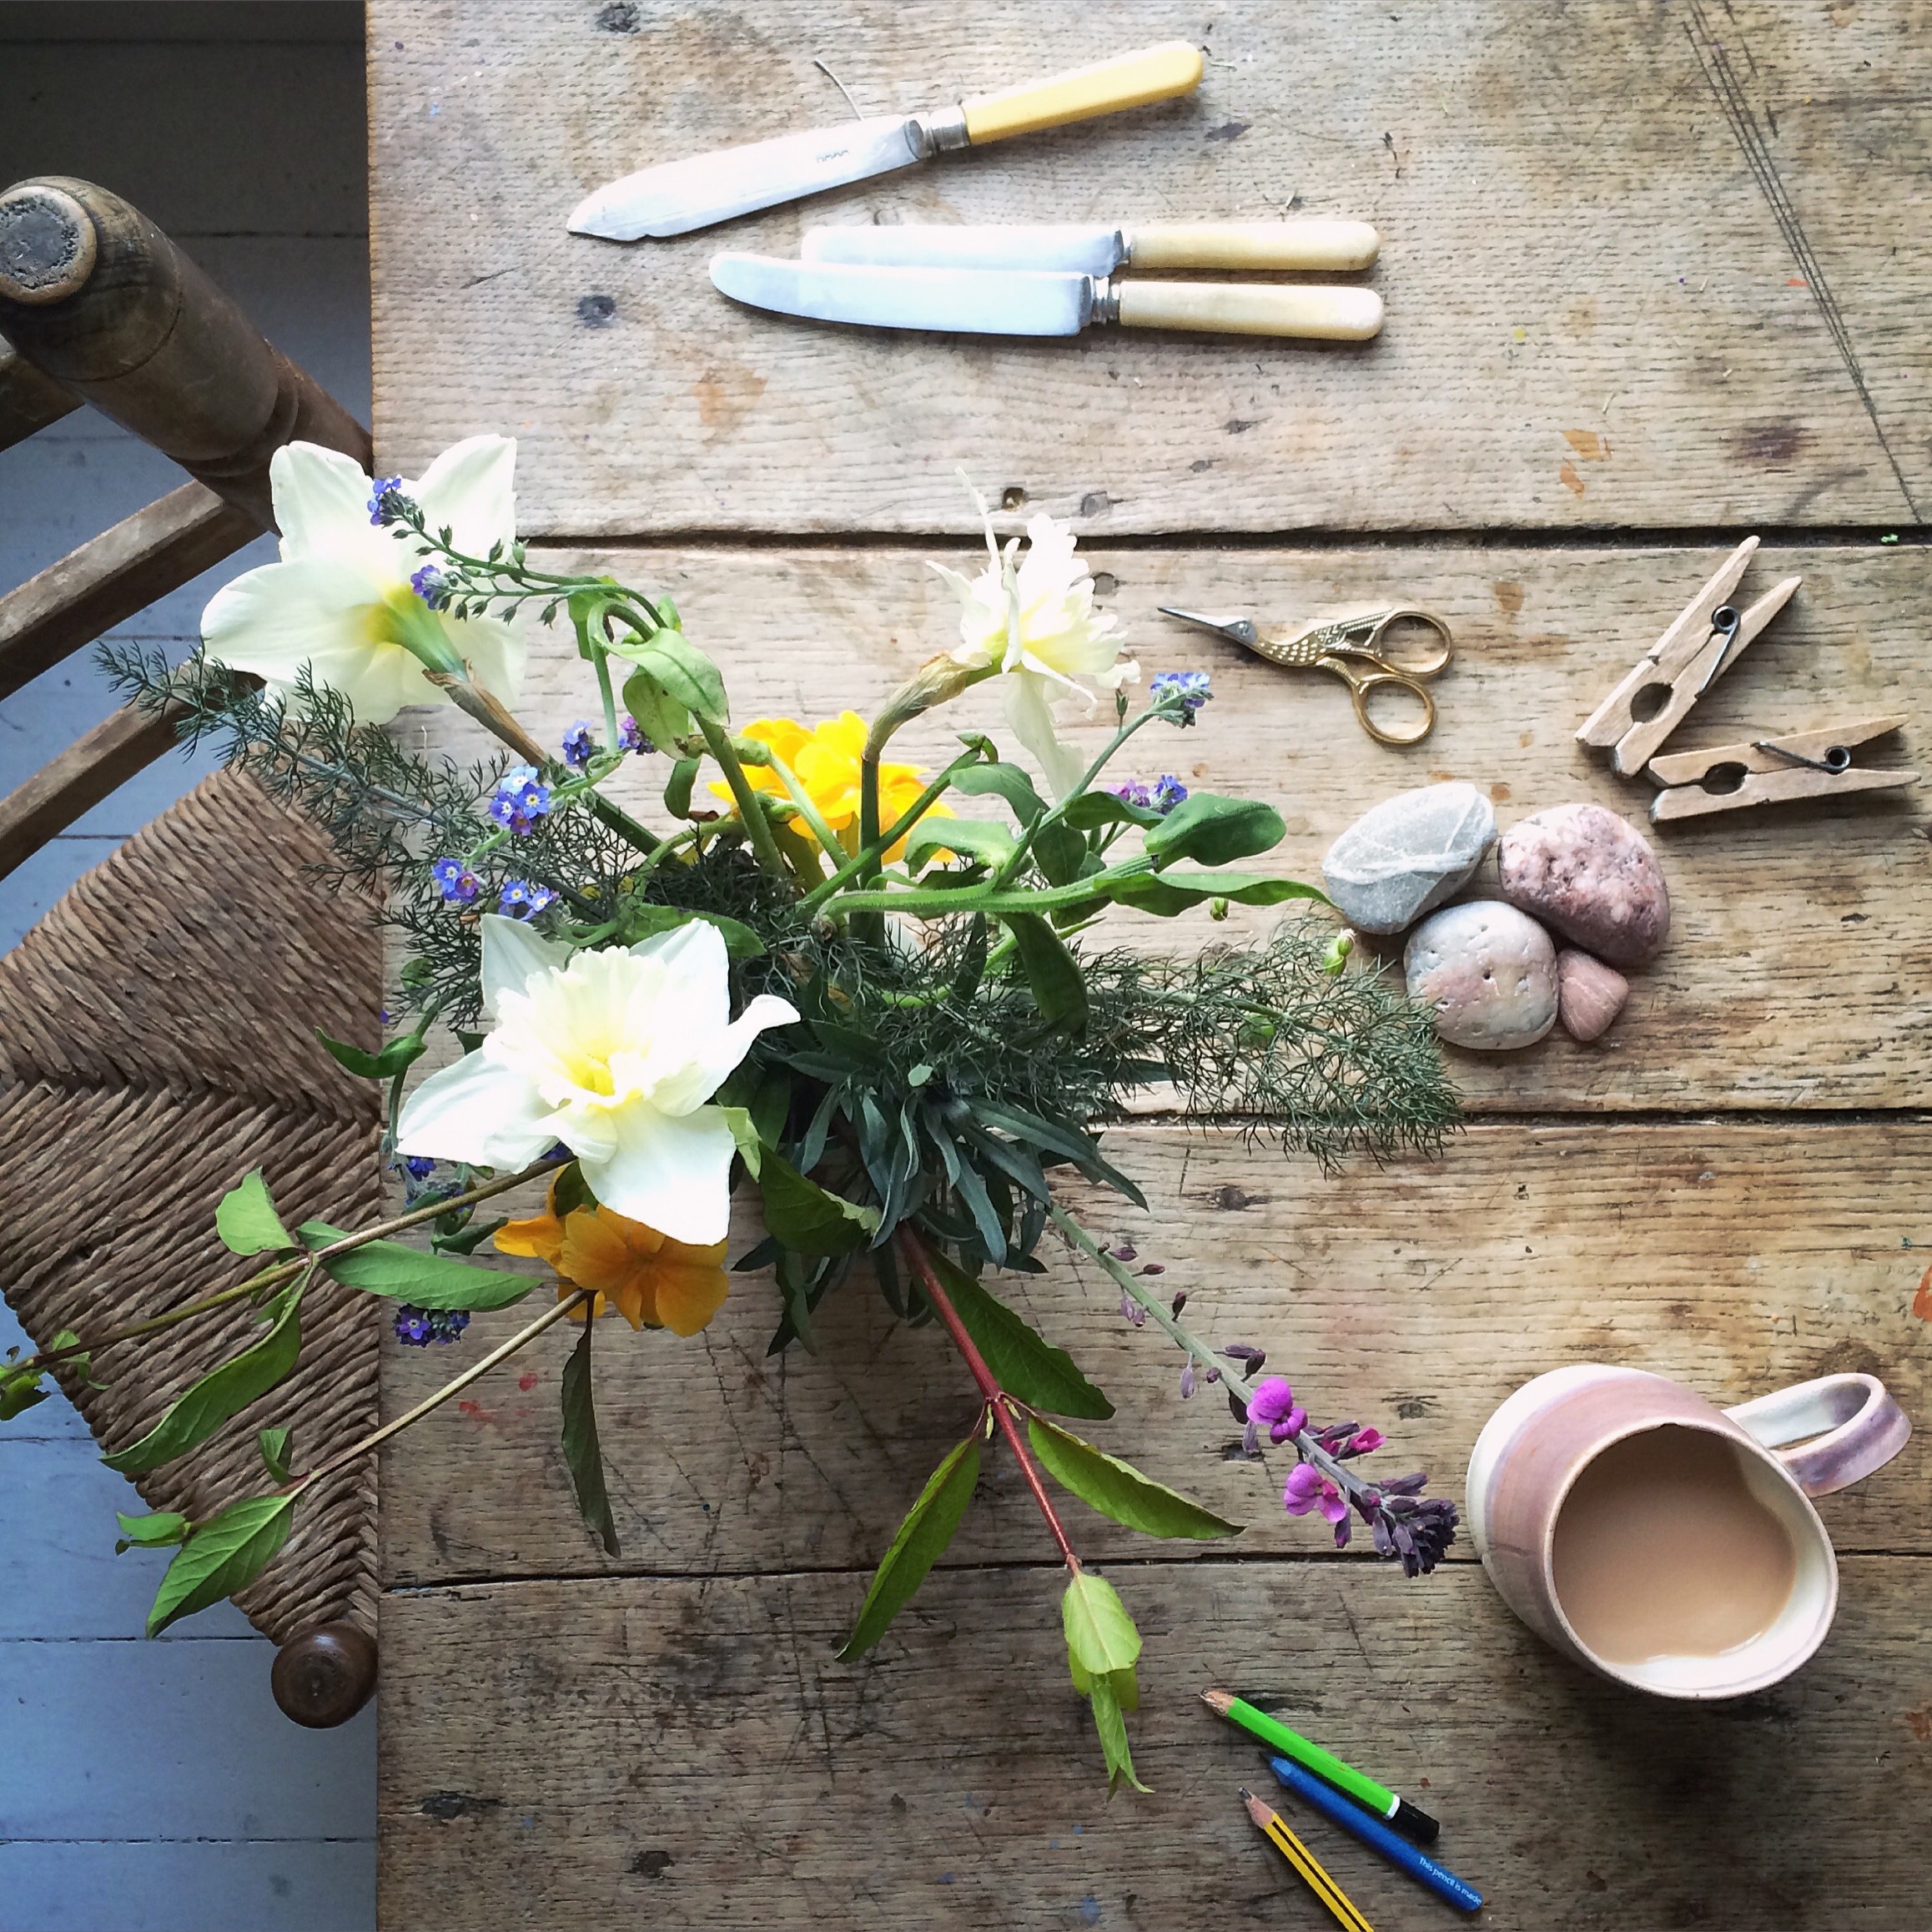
<point x="1039" y="302"/>
<point x="680" y="196"/>
<point x="1085" y="249"/>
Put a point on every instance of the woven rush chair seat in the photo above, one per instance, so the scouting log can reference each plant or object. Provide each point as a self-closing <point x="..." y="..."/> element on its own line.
<point x="157" y="1041"/>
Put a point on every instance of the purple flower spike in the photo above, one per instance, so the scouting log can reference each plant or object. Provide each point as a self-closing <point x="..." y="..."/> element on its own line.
<point x="428" y="584"/>
<point x="1274" y="1408"/>
<point x="1187" y="689"/>
<point x="1133" y="793"/>
<point x="1308" y="1489"/>
<point x="1168" y="792"/>
<point x="630" y="738"/>
<point x="1133" y="1311"/>
<point x="1366" y="1440"/>
<point x="1186" y="1381"/>
<point x="386" y="502"/>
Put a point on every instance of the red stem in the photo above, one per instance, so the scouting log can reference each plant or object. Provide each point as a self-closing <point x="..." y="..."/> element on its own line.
<point x="997" y="1399"/>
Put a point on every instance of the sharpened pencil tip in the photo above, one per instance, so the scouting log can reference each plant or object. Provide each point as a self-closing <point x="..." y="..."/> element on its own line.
<point x="1217" y="1700"/>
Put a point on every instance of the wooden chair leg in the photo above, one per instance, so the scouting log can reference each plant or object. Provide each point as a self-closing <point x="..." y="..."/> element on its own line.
<point x="323" y="1677"/>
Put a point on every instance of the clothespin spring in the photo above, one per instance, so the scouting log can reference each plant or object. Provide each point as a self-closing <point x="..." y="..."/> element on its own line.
<point x="1836" y="758"/>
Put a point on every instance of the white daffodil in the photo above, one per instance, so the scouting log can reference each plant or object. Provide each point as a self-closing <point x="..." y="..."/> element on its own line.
<point x="613" y="1053"/>
<point x="339" y="599"/>
<point x="1033" y="618"/>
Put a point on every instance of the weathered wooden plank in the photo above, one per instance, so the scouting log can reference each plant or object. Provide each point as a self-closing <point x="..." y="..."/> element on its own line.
<point x="1798" y="971"/>
<point x="1738" y="1258"/>
<point x="1641" y="263"/>
<point x="688" y="1755"/>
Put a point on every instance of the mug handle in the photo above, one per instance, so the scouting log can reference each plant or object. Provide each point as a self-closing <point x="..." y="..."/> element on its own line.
<point x="1853" y="1427"/>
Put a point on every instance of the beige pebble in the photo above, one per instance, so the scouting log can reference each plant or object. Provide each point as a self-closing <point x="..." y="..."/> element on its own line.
<point x="1488" y="973"/>
<point x="1589" y="994"/>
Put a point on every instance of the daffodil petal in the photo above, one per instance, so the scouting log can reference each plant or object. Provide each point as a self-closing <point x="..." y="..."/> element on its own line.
<point x="470" y="489"/>
<point x="671" y="1172"/>
<point x="511" y="955"/>
<point x="478" y="1110"/>
<point x="318" y="492"/>
<point x="494" y="650"/>
<point x="1031" y="719"/>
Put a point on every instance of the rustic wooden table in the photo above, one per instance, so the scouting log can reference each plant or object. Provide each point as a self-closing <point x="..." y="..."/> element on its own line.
<point x="1652" y="283"/>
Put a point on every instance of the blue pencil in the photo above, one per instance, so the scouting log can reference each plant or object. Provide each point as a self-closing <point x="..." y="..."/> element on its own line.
<point x="1371" y="1831"/>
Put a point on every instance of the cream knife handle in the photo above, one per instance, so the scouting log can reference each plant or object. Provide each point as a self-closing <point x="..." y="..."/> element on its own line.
<point x="1252" y="244"/>
<point x="1333" y="314"/>
<point x="1155" y="73"/>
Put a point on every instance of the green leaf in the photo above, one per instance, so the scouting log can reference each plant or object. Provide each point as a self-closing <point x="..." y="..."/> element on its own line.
<point x="359" y="1061"/>
<point x="679" y="669"/>
<point x="1058" y="989"/>
<point x="274" y="1444"/>
<point x="1171" y="893"/>
<point x="223" y="1555"/>
<point x="205" y="1405"/>
<point x="1213" y="830"/>
<point x="1091" y="810"/>
<point x="465" y="1240"/>
<point x="646" y="921"/>
<point x="20" y="1390"/>
<point x="1108" y="1697"/>
<point x="1119" y="1490"/>
<point x="678" y="787"/>
<point x="151" y="1533"/>
<point x="1007" y="782"/>
<point x="1059" y="850"/>
<point x="973" y="837"/>
<point x="660" y="717"/>
<point x="1101" y="1638"/>
<point x="408" y="1274"/>
<point x="580" y="1444"/>
<point x="402" y="1054"/>
<point x="807" y="1218"/>
<point x="745" y="1134"/>
<point x="247" y="1221"/>
<point x="1023" y="1362"/>
<point x="921" y="1541"/>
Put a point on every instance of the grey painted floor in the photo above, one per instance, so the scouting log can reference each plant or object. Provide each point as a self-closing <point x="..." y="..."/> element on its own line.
<point x="154" y="1787"/>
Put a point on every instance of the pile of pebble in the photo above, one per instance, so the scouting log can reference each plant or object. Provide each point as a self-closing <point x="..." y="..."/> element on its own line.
<point x="1489" y="969"/>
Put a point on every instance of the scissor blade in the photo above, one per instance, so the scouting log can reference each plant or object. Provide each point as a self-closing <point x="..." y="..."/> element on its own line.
<point x="1241" y="629"/>
<point x="679" y="196"/>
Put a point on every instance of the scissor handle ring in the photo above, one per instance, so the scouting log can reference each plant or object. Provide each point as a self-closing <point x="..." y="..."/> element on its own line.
<point x="1416" y="614"/>
<point x="1363" y="682"/>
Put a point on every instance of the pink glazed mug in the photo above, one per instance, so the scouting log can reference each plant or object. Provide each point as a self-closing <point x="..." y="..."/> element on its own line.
<point x="1534" y="1447"/>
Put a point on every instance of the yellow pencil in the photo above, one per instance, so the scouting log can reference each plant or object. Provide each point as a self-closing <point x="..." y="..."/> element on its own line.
<point x="1303" y="1862"/>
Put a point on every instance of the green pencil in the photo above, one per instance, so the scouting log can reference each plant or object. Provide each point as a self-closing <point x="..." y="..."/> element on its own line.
<point x="1409" y="1819"/>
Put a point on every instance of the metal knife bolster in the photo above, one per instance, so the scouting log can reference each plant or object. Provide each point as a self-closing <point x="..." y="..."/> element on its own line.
<point x="942" y="132"/>
<point x="1106" y="300"/>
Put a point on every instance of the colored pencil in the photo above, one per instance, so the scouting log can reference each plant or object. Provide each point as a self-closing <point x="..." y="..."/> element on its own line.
<point x="1372" y="1832"/>
<point x="1409" y="1819"/>
<point x="1275" y="1828"/>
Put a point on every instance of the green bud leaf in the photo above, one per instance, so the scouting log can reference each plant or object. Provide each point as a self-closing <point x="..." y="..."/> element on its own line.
<point x="1214" y="831"/>
<point x="221" y="1556"/>
<point x="581" y="1452"/>
<point x="274" y="1445"/>
<point x="809" y="1219"/>
<point x="921" y="1541"/>
<point x="1023" y="1362"/>
<point x="247" y="1221"/>
<point x="1119" y="1490"/>
<point x="1060" y="989"/>
<point x="404" y="1274"/>
<point x="150" y="1532"/>
<point x="205" y="1405"/>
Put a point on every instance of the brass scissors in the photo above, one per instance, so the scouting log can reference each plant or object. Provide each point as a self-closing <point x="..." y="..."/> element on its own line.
<point x="1353" y="646"/>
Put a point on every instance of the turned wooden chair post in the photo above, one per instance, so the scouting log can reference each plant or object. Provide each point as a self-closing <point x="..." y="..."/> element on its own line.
<point x="100" y="307"/>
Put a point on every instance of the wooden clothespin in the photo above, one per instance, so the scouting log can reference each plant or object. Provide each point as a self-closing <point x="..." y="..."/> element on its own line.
<point x="1635" y="718"/>
<point x="1768" y="770"/>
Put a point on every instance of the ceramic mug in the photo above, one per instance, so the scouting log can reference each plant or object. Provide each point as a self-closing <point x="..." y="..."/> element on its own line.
<point x="1533" y="1450"/>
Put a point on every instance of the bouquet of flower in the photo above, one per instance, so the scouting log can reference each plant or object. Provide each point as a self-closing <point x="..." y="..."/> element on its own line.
<point x="877" y="1000"/>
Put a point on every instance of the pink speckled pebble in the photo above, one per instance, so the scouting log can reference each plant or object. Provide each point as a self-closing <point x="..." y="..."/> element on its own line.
<point x="1486" y="972"/>
<point x="1589" y="994"/>
<point x="1584" y="872"/>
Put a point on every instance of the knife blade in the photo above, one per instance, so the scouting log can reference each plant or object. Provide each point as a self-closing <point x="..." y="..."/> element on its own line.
<point x="1039" y="302"/>
<point x="1087" y="248"/>
<point x="678" y="196"/>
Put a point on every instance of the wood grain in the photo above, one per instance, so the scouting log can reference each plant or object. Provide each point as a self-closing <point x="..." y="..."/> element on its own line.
<point x="1641" y="264"/>
<point x="1799" y="970"/>
<point x="1737" y="1258"/>
<point x="687" y="1755"/>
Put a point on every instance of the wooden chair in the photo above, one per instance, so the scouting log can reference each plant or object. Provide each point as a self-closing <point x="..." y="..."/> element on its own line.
<point x="155" y="1035"/>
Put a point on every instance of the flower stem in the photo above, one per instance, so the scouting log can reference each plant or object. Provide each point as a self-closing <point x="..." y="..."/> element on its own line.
<point x="1002" y="1405"/>
<point x="601" y="659"/>
<point x="285" y="1271"/>
<point x="758" y="827"/>
<point x="499" y="1354"/>
<point x="870" y="854"/>
<point x="1017" y="856"/>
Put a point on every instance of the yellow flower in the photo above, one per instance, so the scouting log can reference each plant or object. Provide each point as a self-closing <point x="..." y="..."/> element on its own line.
<point x="827" y="763"/>
<point x="651" y="1280"/>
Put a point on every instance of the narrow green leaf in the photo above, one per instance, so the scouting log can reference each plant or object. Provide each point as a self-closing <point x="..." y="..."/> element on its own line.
<point x="205" y="1405"/>
<point x="1107" y="1702"/>
<point x="274" y="1444"/>
<point x="921" y="1541"/>
<point x="224" y="1554"/>
<point x="580" y="1444"/>
<point x="358" y="1062"/>
<point x="678" y="787"/>
<point x="1023" y="1362"/>
<point x="1007" y="782"/>
<point x="465" y="1240"/>
<point x="1179" y="891"/>
<point x="1216" y="831"/>
<point x="246" y="1219"/>
<point x="1101" y="1638"/>
<point x="408" y="1274"/>
<point x="973" y="838"/>
<point x="1119" y="1490"/>
<point x="151" y="1533"/>
<point x="807" y="1218"/>
<point x="1060" y="989"/>
<point x="400" y="1055"/>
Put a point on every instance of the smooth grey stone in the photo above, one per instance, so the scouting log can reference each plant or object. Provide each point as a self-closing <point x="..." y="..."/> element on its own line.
<point x="1488" y="973"/>
<point x="1408" y="855"/>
